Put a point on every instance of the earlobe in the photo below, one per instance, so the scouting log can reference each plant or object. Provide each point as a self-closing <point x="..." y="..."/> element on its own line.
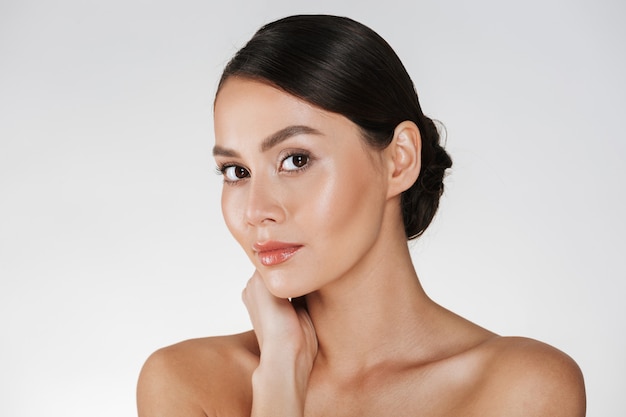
<point x="404" y="157"/>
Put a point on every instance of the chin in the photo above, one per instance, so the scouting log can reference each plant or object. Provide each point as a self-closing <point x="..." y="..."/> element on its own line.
<point x="282" y="286"/>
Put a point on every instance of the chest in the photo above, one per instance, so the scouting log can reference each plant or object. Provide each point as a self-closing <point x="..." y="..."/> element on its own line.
<point x="421" y="394"/>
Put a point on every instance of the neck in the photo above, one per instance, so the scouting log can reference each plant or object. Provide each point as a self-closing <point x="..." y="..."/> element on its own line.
<point x="375" y="311"/>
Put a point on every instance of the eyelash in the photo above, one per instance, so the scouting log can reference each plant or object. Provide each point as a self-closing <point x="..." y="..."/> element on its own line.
<point x="222" y="168"/>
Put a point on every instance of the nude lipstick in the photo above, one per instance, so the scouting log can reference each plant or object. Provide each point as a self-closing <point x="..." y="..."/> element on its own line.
<point x="274" y="253"/>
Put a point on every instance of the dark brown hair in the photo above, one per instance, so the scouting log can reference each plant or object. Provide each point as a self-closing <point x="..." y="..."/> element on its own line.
<point x="344" y="67"/>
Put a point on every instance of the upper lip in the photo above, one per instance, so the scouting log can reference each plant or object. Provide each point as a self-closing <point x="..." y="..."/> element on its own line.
<point x="273" y="245"/>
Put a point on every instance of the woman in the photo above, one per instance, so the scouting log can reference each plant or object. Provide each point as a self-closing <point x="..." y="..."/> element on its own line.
<point x="329" y="167"/>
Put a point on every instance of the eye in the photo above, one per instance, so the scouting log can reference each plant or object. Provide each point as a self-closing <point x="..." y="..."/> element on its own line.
<point x="234" y="173"/>
<point x="294" y="162"/>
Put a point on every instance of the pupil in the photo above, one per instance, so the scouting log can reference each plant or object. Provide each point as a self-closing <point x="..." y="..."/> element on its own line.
<point x="240" y="172"/>
<point x="299" y="160"/>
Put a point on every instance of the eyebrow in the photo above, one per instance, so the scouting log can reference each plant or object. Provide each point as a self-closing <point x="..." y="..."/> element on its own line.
<point x="272" y="140"/>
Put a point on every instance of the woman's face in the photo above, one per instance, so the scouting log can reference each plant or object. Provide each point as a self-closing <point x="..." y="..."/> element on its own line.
<point x="303" y="194"/>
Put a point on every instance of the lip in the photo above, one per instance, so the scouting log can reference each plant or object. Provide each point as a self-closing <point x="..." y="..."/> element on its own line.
<point x="272" y="253"/>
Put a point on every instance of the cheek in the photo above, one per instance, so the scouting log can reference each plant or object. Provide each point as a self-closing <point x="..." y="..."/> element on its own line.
<point x="232" y="213"/>
<point x="347" y="205"/>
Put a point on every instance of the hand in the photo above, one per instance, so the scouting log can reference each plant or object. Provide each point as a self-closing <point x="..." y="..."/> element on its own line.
<point x="281" y="327"/>
<point x="288" y="347"/>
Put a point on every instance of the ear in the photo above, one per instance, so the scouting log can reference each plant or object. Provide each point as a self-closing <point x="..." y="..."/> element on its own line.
<point x="404" y="158"/>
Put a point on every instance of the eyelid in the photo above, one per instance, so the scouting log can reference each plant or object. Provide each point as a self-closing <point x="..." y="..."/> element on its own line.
<point x="222" y="165"/>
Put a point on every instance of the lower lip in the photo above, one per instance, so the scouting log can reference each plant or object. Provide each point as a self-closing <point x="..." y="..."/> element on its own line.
<point x="277" y="256"/>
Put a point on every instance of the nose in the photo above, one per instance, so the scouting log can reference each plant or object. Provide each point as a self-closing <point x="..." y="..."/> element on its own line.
<point x="264" y="204"/>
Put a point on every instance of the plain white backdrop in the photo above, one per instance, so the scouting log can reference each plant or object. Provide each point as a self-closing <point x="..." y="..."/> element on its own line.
<point x="112" y="242"/>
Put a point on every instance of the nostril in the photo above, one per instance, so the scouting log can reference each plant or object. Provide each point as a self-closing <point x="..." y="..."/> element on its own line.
<point x="263" y="206"/>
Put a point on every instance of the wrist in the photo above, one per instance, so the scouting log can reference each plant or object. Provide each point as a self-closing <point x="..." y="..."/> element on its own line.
<point x="285" y="370"/>
<point x="278" y="390"/>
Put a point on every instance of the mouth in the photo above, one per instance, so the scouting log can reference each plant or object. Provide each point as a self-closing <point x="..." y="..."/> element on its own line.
<point x="274" y="253"/>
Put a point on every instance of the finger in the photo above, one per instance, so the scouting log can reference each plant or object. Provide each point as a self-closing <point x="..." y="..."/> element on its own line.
<point x="245" y="293"/>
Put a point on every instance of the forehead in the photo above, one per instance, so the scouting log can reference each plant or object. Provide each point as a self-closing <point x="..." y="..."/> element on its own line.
<point x="253" y="110"/>
<point x="237" y="91"/>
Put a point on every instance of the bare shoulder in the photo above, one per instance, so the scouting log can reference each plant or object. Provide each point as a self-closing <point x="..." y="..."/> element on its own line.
<point x="199" y="377"/>
<point x="528" y="378"/>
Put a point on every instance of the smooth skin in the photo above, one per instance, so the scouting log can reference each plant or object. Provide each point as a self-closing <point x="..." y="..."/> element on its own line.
<point x="360" y="337"/>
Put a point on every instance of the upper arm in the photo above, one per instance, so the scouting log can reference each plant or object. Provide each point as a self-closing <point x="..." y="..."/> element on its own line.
<point x="532" y="379"/>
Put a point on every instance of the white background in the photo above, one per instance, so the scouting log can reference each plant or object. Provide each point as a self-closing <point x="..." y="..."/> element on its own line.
<point x="111" y="238"/>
